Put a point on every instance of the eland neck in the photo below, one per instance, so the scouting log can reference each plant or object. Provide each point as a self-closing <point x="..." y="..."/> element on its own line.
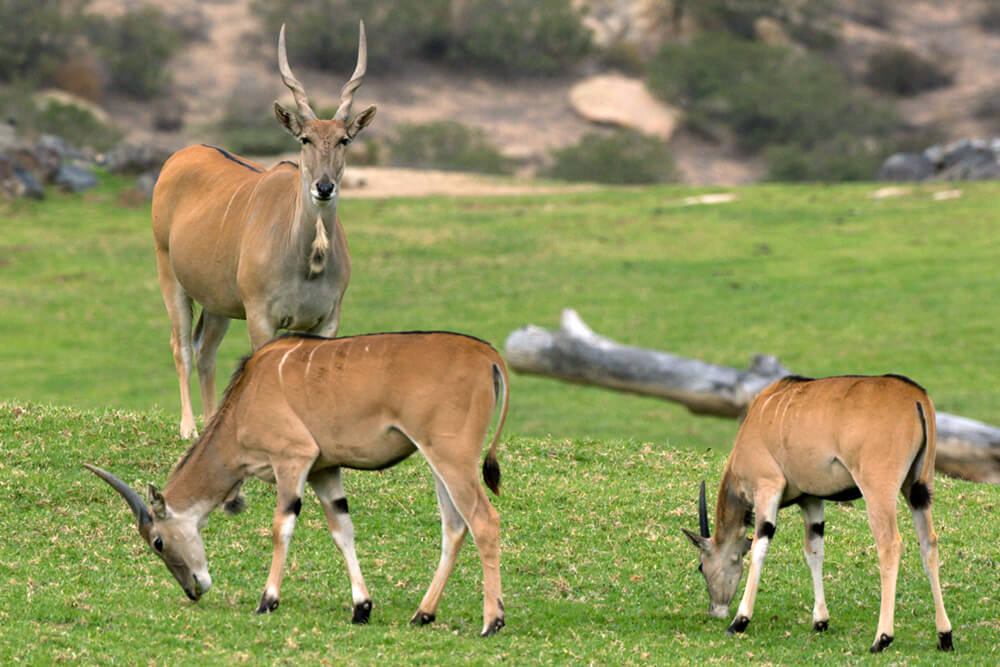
<point x="207" y="474"/>
<point x="315" y="228"/>
<point x="732" y="512"/>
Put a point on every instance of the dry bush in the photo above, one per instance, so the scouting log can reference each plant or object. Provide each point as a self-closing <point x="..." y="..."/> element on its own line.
<point x="80" y="75"/>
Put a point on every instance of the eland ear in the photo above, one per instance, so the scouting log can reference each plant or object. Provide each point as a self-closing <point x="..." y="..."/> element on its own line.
<point x="703" y="543"/>
<point x="157" y="503"/>
<point x="288" y="119"/>
<point x="361" y="121"/>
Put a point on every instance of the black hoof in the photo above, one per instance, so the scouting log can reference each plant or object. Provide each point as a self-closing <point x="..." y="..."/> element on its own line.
<point x="494" y="627"/>
<point x="361" y="612"/>
<point x="880" y="645"/>
<point x="821" y="626"/>
<point x="944" y="641"/>
<point x="267" y="604"/>
<point x="739" y="624"/>
<point x="422" y="618"/>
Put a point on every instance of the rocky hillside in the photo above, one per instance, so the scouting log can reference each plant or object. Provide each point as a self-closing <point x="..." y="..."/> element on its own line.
<point x="527" y="118"/>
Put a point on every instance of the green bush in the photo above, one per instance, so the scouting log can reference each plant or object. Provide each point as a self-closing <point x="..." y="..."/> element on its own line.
<point x="841" y="158"/>
<point x="446" y="145"/>
<point x="75" y="124"/>
<point x="624" y="157"/>
<point x="506" y="36"/>
<point x="36" y="36"/>
<point x="806" y="21"/>
<point x="520" y="36"/>
<point x="898" y="70"/>
<point x="136" y="48"/>
<point x="766" y="94"/>
<point x="248" y="125"/>
<point x="324" y="33"/>
<point x="797" y="105"/>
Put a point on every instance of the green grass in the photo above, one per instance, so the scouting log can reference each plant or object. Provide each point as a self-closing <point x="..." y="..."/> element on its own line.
<point x="826" y="278"/>
<point x="595" y="568"/>
<point x="596" y="484"/>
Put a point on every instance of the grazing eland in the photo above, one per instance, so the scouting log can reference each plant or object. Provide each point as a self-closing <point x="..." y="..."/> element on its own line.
<point x="805" y="441"/>
<point x="303" y="407"/>
<point x="245" y="242"/>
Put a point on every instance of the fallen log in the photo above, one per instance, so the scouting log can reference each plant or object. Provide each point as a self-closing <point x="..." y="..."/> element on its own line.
<point x="966" y="448"/>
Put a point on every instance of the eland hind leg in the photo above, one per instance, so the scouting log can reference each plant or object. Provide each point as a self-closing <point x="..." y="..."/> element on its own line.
<point x="455" y="462"/>
<point x="208" y="334"/>
<point x="924" y="526"/>
<point x="881" y="505"/>
<point x="453" y="530"/>
<point x="330" y="490"/>
<point x="179" y="307"/>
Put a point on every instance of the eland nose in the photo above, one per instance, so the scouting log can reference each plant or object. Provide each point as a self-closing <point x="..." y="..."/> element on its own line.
<point x="324" y="189"/>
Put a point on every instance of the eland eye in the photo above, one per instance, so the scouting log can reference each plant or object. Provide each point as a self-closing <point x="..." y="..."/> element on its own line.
<point x="700" y="568"/>
<point x="305" y="140"/>
<point x="344" y="141"/>
<point x="158" y="544"/>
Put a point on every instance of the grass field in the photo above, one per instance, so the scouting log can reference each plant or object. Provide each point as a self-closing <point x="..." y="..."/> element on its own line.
<point x="595" y="568"/>
<point x="597" y="484"/>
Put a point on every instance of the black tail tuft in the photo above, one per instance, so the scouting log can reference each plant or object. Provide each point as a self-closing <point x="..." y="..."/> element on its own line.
<point x="920" y="497"/>
<point x="491" y="474"/>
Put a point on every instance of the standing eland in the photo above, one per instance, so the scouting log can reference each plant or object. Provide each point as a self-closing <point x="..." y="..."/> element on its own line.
<point x="303" y="407"/>
<point x="806" y="440"/>
<point x="245" y="242"/>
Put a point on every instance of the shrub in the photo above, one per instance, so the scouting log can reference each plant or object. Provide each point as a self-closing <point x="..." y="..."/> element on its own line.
<point x="520" y="36"/>
<point x="807" y="21"/>
<point x="36" y="36"/>
<point x="624" y="157"/>
<point x="136" y="48"/>
<point x="78" y="126"/>
<point x="897" y="70"/>
<point x="841" y="158"/>
<point x="723" y="80"/>
<point x="81" y="76"/>
<point x="734" y="82"/>
<point x="506" y="36"/>
<point x="446" y="145"/>
<point x="248" y="125"/>
<point x="324" y="33"/>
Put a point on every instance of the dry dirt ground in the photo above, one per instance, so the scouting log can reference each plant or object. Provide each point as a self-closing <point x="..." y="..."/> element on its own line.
<point x="528" y="118"/>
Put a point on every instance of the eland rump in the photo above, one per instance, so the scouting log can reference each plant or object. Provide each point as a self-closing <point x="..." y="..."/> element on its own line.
<point x="303" y="407"/>
<point x="251" y="243"/>
<point x="806" y="440"/>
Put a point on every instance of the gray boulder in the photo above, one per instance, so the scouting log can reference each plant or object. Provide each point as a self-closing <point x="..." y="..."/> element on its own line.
<point x="906" y="167"/>
<point x="75" y="179"/>
<point x="135" y="158"/>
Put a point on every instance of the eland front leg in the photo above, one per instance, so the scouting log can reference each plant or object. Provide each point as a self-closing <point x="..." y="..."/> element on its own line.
<point x="812" y="517"/>
<point x="330" y="490"/>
